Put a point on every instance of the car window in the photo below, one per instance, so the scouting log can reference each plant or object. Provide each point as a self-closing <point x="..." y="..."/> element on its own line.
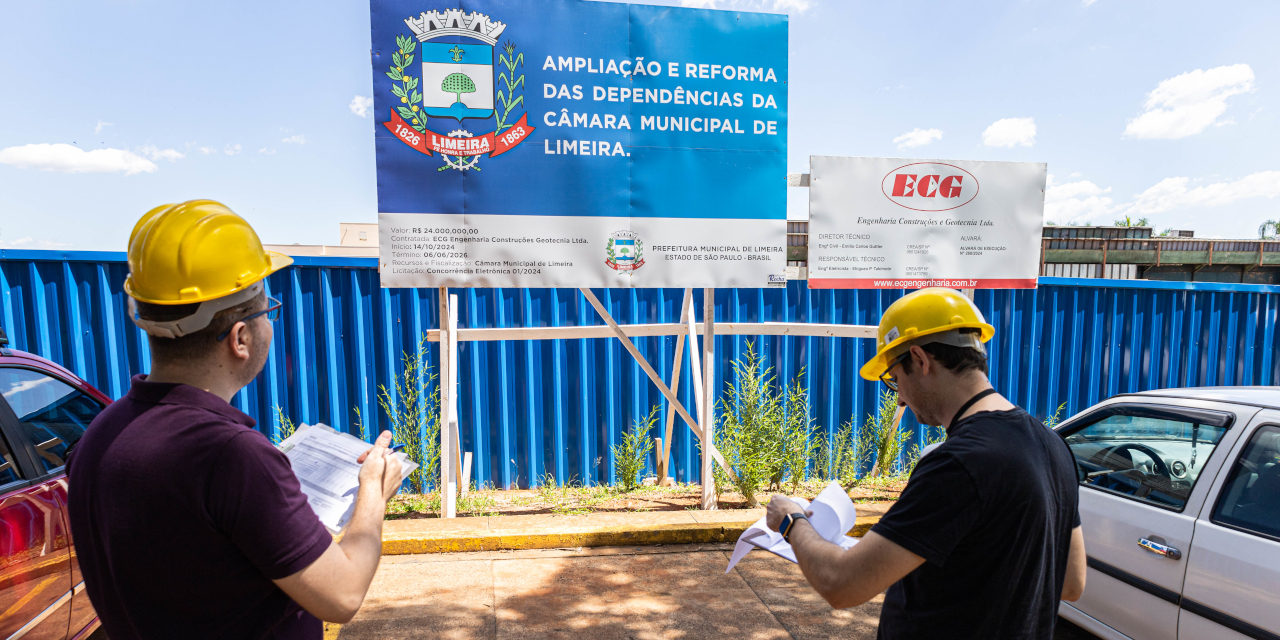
<point x="1155" y="460"/>
<point x="52" y="413"/>
<point x="1250" y="498"/>
<point x="9" y="470"/>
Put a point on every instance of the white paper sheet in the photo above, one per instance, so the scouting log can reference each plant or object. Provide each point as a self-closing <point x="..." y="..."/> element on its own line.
<point x="325" y="463"/>
<point x="833" y="516"/>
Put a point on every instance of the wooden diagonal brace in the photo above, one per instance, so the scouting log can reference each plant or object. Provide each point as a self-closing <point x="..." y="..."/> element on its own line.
<point x="675" y="388"/>
<point x="653" y="376"/>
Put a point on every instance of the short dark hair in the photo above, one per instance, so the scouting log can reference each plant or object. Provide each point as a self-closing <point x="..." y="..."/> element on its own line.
<point x="193" y="345"/>
<point x="957" y="360"/>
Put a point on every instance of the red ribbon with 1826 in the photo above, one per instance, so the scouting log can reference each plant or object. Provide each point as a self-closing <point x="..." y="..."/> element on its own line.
<point x="490" y="144"/>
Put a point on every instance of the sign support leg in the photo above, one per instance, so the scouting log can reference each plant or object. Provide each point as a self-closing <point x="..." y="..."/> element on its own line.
<point x="446" y="406"/>
<point x="454" y="433"/>
<point x="695" y="366"/>
<point x="708" y="406"/>
<point x="664" y="466"/>
<point x="466" y="473"/>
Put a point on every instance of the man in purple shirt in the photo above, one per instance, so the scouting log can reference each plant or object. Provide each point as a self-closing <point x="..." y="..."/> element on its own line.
<point x="187" y="521"/>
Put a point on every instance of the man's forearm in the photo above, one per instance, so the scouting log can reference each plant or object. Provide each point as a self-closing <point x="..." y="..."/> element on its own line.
<point x="333" y="587"/>
<point x="817" y="558"/>
<point x="850" y="577"/>
<point x="362" y="541"/>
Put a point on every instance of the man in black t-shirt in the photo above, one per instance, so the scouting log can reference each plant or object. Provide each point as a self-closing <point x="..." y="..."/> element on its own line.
<point x="985" y="539"/>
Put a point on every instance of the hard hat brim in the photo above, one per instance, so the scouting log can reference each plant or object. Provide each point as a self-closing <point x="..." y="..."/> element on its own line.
<point x="877" y="365"/>
<point x="278" y="262"/>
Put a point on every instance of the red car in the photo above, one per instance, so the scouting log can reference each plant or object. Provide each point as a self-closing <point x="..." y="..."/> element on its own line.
<point x="44" y="410"/>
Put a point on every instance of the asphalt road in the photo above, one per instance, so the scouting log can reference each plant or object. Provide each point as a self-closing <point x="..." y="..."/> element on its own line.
<point x="644" y="593"/>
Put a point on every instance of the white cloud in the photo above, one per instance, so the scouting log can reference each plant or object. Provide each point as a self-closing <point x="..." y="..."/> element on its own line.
<point x="298" y="139"/>
<point x="267" y="152"/>
<point x="1081" y="201"/>
<point x="1088" y="2"/>
<point x="1010" y="132"/>
<point x="1187" y="104"/>
<point x="102" y="125"/>
<point x="360" y="106"/>
<point x="68" y="159"/>
<point x="155" y="153"/>
<point x="231" y="149"/>
<point x="781" y="6"/>
<point x="31" y="243"/>
<point x="917" y="137"/>
<point x="1084" y="201"/>
<point x="1172" y="193"/>
<point x="208" y="150"/>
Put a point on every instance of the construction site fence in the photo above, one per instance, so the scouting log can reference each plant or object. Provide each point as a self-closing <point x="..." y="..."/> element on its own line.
<point x="533" y="408"/>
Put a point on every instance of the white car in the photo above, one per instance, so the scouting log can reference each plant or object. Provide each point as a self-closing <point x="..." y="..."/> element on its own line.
<point x="1180" y="503"/>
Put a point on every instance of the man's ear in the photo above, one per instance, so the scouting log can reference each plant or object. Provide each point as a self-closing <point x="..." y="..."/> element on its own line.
<point x="921" y="360"/>
<point x="240" y="341"/>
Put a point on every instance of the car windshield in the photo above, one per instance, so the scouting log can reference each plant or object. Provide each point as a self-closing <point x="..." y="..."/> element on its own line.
<point x="1151" y="459"/>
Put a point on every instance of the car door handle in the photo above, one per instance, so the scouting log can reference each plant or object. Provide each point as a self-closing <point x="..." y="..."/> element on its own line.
<point x="1160" y="549"/>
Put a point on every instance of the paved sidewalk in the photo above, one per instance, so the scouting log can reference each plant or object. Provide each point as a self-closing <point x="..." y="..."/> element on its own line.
<point x="611" y="593"/>
<point x="434" y="535"/>
<point x="640" y="593"/>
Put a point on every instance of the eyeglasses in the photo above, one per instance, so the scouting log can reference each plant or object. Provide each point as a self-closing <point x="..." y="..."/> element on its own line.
<point x="884" y="377"/>
<point x="272" y="312"/>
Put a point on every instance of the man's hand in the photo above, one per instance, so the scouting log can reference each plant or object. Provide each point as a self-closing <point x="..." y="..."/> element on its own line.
<point x="779" y="507"/>
<point x="380" y="467"/>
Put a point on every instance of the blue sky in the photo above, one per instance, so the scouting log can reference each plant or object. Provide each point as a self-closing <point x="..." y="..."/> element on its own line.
<point x="1166" y="110"/>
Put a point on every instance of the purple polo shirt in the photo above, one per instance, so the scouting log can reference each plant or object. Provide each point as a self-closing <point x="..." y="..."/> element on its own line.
<point x="183" y="514"/>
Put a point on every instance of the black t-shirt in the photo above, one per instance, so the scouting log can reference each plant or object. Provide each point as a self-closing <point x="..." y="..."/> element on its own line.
<point x="183" y="514"/>
<point x="991" y="511"/>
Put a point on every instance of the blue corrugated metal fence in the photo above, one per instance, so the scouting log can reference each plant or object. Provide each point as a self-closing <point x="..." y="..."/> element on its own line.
<point x="530" y="408"/>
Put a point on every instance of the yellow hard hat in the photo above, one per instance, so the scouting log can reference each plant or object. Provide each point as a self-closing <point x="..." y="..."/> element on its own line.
<point x="193" y="252"/>
<point x="923" y="313"/>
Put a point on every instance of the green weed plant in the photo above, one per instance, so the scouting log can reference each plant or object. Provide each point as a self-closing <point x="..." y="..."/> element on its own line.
<point x="882" y="441"/>
<point x="413" y="413"/>
<point x="630" y="455"/>
<point x="798" y="443"/>
<point x="838" y="458"/>
<point x="932" y="435"/>
<point x="765" y="431"/>
<point x="1055" y="419"/>
<point x="287" y="426"/>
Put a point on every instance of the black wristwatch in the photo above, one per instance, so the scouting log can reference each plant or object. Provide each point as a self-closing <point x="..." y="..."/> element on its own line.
<point x="789" y="521"/>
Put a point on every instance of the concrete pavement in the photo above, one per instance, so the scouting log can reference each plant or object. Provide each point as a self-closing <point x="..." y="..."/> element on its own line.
<point x="641" y="593"/>
<point x="499" y="577"/>
<point x="622" y="593"/>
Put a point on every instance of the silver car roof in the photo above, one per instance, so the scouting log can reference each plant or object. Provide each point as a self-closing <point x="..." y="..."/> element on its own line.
<point x="1254" y="396"/>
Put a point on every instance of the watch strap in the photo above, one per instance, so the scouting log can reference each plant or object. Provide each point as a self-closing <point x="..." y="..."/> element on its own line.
<point x="789" y="522"/>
